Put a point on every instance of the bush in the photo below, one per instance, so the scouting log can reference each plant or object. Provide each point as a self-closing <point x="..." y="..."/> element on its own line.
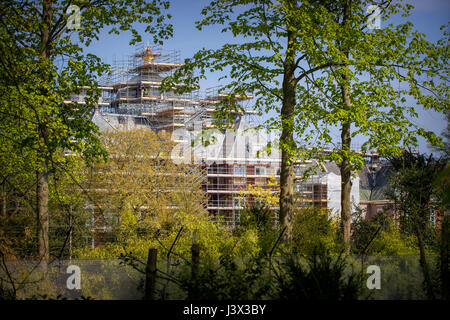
<point x="227" y="280"/>
<point x="380" y="236"/>
<point x="312" y="228"/>
<point x="259" y="222"/>
<point x="322" y="277"/>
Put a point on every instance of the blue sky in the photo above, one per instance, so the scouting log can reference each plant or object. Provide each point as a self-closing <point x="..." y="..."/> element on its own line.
<point x="427" y="17"/>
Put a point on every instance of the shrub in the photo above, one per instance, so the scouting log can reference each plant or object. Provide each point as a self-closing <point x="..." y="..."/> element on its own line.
<point x="322" y="277"/>
<point x="312" y="228"/>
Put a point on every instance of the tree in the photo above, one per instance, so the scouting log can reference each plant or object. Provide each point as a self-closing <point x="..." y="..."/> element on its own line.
<point x="70" y="224"/>
<point x="323" y="277"/>
<point x="443" y="262"/>
<point x="313" y="228"/>
<point x="266" y="63"/>
<point x="381" y="235"/>
<point x="41" y="65"/>
<point x="140" y="191"/>
<point x="358" y="94"/>
<point x="143" y="199"/>
<point x="415" y="199"/>
<point x="317" y="66"/>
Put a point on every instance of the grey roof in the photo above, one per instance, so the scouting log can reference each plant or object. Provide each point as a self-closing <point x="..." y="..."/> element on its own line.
<point x="333" y="167"/>
<point x="330" y="167"/>
<point x="103" y="123"/>
<point x="374" y="182"/>
<point x="111" y="121"/>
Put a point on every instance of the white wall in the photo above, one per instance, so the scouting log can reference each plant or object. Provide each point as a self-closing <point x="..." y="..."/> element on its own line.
<point x="334" y="193"/>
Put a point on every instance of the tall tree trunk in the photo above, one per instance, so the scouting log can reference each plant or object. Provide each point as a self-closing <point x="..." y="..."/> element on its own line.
<point x="42" y="185"/>
<point x="42" y="216"/>
<point x="287" y="137"/>
<point x="346" y="187"/>
<point x="346" y="168"/>
<point x="346" y="173"/>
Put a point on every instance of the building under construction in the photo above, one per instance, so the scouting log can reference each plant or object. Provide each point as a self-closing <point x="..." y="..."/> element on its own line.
<point x="236" y="159"/>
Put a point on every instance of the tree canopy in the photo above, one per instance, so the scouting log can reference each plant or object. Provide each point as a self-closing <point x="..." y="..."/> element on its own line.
<point x="315" y="66"/>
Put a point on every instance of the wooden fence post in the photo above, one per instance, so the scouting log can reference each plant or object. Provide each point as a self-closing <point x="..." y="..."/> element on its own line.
<point x="150" y="274"/>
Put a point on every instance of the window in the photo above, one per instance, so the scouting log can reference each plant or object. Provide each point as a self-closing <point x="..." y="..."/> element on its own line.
<point x="239" y="170"/>
<point x="260" y="171"/>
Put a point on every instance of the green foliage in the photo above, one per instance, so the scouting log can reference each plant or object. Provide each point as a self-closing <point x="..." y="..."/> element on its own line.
<point x="257" y="217"/>
<point x="312" y="228"/>
<point x="380" y="235"/>
<point x="227" y="280"/>
<point x="442" y="186"/>
<point x="42" y="64"/>
<point x="315" y="66"/>
<point x="40" y="67"/>
<point x="150" y="199"/>
<point x="331" y="48"/>
<point x="401" y="277"/>
<point x="323" y="277"/>
<point x="394" y="243"/>
<point x="214" y="241"/>
<point x="259" y="221"/>
<point x="443" y="261"/>
<point x="412" y="190"/>
<point x="17" y="235"/>
<point x="6" y="293"/>
<point x="70" y="219"/>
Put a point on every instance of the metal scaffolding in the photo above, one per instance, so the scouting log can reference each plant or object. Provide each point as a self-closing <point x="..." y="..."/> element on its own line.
<point x="133" y="88"/>
<point x="131" y="94"/>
